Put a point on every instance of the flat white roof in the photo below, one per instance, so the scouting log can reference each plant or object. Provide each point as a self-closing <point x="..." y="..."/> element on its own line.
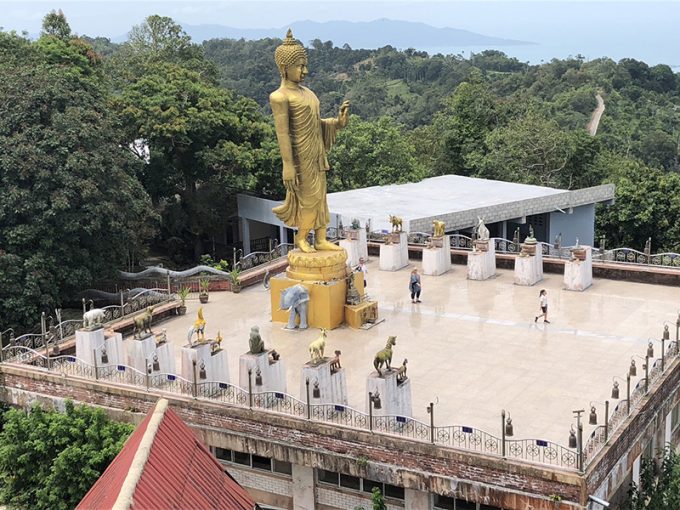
<point x="437" y="197"/>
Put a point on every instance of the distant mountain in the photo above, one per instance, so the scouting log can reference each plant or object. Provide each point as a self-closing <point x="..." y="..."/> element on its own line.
<point x="370" y="34"/>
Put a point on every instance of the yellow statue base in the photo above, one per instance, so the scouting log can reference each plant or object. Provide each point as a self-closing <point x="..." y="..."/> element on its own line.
<point x="320" y="266"/>
<point x="324" y="275"/>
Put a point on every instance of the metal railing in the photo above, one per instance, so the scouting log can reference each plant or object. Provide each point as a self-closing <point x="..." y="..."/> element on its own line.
<point x="599" y="437"/>
<point x="501" y="245"/>
<point x="453" y="436"/>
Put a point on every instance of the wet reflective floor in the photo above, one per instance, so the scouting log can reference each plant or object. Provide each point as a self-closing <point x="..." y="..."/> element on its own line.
<point x="472" y="347"/>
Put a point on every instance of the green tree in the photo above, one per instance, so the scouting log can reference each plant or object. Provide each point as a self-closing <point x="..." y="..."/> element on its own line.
<point x="372" y="154"/>
<point x="49" y="460"/>
<point x="203" y="143"/>
<point x="647" y="201"/>
<point x="55" y="24"/>
<point x="71" y="210"/>
<point x="459" y="131"/>
<point x="659" y="487"/>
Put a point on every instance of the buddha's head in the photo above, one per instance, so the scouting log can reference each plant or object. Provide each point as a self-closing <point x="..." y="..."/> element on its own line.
<point x="291" y="58"/>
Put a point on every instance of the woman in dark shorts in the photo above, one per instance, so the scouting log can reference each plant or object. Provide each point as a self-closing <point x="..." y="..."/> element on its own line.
<point x="543" y="298"/>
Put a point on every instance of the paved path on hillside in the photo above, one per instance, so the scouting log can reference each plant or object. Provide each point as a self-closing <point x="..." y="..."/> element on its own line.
<point x="596" y="116"/>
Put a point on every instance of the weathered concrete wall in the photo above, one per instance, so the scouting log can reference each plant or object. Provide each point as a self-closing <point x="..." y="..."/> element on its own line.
<point x="412" y="465"/>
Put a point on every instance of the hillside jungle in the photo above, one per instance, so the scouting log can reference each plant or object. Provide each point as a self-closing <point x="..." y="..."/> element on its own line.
<point x="83" y="197"/>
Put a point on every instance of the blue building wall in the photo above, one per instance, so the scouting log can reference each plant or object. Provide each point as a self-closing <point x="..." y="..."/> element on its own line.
<point x="580" y="223"/>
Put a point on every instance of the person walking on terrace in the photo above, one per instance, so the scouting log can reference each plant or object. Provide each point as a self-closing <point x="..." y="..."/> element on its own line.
<point x="543" y="302"/>
<point x="414" y="286"/>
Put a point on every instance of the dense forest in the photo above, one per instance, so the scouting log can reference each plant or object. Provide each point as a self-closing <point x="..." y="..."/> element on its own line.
<point x="109" y="152"/>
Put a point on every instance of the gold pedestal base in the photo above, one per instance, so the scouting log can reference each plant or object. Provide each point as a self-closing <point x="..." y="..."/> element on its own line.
<point x="326" y="300"/>
<point x="324" y="274"/>
<point x="358" y="315"/>
<point x="320" y="266"/>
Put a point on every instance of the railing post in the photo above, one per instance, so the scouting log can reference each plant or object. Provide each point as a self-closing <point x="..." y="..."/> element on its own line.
<point x="122" y="303"/>
<point x="370" y="411"/>
<point x="168" y="282"/>
<point x="580" y="445"/>
<point x="96" y="368"/>
<point x="628" y="392"/>
<point x="195" y="384"/>
<point x="663" y="354"/>
<point x="430" y="410"/>
<point x="646" y="374"/>
<point x="309" y="409"/>
<point x="606" y="421"/>
<point x="148" y="377"/>
<point x="503" y="433"/>
<point x="250" y="388"/>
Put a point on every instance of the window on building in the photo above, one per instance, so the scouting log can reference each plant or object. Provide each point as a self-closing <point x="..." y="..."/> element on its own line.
<point x="279" y="466"/>
<point x="444" y="502"/>
<point x="359" y="484"/>
<point x="224" y="454"/>
<point x="648" y="452"/>
<point x="392" y="491"/>
<point x="242" y="458"/>
<point x="488" y="507"/>
<point x="461" y="504"/>
<point x="350" y="482"/>
<point x="369" y="484"/>
<point x="262" y="463"/>
<point x="328" y="476"/>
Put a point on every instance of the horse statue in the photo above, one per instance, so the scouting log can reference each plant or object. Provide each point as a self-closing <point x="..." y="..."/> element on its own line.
<point x="198" y="328"/>
<point x="482" y="231"/>
<point x="143" y="323"/>
<point x="384" y="356"/>
<point x="317" y="347"/>
<point x="396" y="223"/>
<point x="439" y="228"/>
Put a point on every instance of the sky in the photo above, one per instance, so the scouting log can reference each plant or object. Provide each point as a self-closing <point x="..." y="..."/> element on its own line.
<point x="643" y="30"/>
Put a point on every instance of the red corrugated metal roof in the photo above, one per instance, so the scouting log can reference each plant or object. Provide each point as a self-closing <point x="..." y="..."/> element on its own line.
<point x="178" y="473"/>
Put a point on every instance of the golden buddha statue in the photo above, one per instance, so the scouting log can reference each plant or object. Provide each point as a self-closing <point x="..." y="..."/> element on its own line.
<point x="304" y="137"/>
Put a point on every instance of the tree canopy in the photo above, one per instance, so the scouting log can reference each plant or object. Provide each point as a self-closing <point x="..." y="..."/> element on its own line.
<point x="40" y="450"/>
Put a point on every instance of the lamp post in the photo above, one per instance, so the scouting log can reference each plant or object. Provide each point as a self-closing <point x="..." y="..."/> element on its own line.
<point x="615" y="389"/>
<point x="373" y="401"/>
<point x="633" y="370"/>
<point x="506" y="430"/>
<point x="592" y="419"/>
<point x="11" y="340"/>
<point x="430" y="411"/>
<point x="677" y="328"/>
<point x="664" y="338"/>
<point x="579" y="438"/>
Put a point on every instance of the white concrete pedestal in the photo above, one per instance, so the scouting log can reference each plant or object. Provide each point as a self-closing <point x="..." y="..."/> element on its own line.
<point x="141" y="354"/>
<point x="273" y="374"/>
<point x="216" y="364"/>
<point x="529" y="269"/>
<point x="87" y="342"/>
<point x="395" y="398"/>
<point x="332" y="385"/>
<point x="437" y="260"/>
<point x="394" y="256"/>
<point x="355" y="248"/>
<point x="578" y="274"/>
<point x="481" y="265"/>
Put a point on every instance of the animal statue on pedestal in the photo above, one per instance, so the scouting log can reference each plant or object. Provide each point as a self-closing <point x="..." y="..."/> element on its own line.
<point x="198" y="328"/>
<point x="384" y="356"/>
<point x="256" y="343"/>
<point x="94" y="317"/>
<point x="482" y="231"/>
<point x="143" y="323"/>
<point x="439" y="228"/>
<point x="317" y="347"/>
<point x="396" y="223"/>
<point x="295" y="299"/>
